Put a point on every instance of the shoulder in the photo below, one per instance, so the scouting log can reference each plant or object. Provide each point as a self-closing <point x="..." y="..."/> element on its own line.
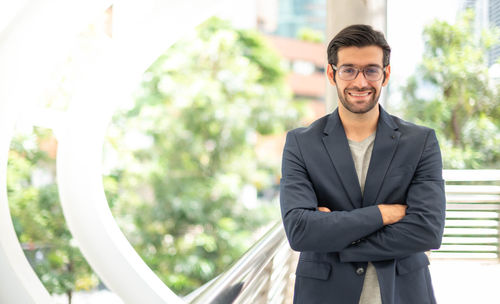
<point x="409" y="128"/>
<point x="416" y="136"/>
<point x="315" y="128"/>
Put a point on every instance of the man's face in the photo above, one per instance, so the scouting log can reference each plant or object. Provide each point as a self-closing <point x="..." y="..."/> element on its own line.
<point x="359" y="95"/>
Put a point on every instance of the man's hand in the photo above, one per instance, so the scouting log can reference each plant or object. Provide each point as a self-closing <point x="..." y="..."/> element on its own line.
<point x="392" y="213"/>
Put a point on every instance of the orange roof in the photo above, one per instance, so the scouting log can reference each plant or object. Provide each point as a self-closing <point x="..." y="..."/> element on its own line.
<point x="294" y="49"/>
<point x="317" y="109"/>
<point x="308" y="85"/>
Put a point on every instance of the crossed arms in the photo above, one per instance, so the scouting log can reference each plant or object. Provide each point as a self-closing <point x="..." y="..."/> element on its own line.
<point x="373" y="233"/>
<point x="391" y="213"/>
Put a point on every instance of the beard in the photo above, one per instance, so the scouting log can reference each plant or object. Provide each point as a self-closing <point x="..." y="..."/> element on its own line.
<point x="358" y="107"/>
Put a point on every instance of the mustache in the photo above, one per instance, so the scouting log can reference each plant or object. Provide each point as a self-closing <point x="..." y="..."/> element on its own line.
<point x="358" y="89"/>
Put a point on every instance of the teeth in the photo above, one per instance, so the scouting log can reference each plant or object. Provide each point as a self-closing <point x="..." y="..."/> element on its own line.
<point x="362" y="94"/>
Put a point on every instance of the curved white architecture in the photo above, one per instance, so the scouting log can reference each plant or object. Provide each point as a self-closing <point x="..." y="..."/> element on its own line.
<point x="31" y="42"/>
<point x="30" y="46"/>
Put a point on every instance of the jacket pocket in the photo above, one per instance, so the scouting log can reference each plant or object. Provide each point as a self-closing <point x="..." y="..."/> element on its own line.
<point x="313" y="269"/>
<point x="411" y="263"/>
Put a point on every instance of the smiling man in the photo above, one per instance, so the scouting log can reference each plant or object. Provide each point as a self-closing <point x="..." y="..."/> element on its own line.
<point x="362" y="195"/>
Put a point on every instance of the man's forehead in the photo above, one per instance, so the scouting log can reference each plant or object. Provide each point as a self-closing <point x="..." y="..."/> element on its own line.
<point x="366" y="55"/>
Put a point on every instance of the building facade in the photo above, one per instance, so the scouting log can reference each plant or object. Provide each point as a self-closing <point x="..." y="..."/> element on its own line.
<point x="295" y="15"/>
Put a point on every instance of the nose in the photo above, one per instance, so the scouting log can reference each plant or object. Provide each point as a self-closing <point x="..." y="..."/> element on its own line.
<point x="360" y="80"/>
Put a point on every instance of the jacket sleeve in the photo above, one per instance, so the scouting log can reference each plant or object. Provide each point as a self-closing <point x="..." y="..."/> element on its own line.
<point x="308" y="229"/>
<point x="422" y="227"/>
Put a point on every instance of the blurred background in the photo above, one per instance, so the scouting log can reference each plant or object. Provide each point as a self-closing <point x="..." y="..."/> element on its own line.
<point x="191" y="162"/>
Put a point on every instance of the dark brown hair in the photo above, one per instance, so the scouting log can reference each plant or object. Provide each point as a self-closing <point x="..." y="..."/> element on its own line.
<point x="358" y="35"/>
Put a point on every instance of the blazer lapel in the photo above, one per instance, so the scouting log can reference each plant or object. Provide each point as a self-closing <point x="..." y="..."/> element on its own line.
<point x="336" y="144"/>
<point x="384" y="147"/>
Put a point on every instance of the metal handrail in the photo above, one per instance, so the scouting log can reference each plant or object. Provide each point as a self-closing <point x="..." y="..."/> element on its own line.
<point x="264" y="273"/>
<point x="250" y="277"/>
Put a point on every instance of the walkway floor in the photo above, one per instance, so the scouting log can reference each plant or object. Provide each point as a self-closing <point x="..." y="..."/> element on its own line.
<point x="455" y="282"/>
<point x="466" y="281"/>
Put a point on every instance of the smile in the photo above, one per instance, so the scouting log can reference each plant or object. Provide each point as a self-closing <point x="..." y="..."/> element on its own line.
<point x="360" y="94"/>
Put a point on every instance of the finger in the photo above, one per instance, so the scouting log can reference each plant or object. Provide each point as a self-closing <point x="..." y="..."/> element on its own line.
<point x="324" y="209"/>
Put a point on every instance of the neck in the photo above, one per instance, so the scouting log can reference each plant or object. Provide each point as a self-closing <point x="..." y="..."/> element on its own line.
<point x="359" y="126"/>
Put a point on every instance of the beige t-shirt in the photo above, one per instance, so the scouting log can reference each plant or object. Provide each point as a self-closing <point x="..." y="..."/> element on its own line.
<point x="361" y="154"/>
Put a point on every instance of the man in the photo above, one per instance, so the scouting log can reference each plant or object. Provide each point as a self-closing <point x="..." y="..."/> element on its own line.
<point x="362" y="194"/>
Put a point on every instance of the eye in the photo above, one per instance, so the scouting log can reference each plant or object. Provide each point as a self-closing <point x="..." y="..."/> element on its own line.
<point x="372" y="71"/>
<point x="348" y="70"/>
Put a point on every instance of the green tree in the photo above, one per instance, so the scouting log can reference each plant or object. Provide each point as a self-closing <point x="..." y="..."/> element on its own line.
<point x="311" y="35"/>
<point x="38" y="219"/>
<point x="464" y="109"/>
<point x="197" y="115"/>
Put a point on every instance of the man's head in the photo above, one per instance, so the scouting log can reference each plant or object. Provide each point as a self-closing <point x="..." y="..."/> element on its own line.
<point x="358" y="35"/>
<point x="358" y="65"/>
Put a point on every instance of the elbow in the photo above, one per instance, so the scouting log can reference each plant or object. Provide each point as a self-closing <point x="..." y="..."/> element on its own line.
<point x="430" y="231"/>
<point x="435" y="243"/>
<point x="299" y="243"/>
<point x="294" y="229"/>
<point x="435" y="237"/>
<point x="296" y="246"/>
<point x="304" y="232"/>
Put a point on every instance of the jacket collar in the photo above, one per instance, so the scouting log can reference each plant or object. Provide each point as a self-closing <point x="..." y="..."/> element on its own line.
<point x="334" y="121"/>
<point x="386" y="141"/>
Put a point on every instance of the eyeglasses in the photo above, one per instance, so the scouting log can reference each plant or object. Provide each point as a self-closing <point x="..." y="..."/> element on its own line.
<point x="371" y="72"/>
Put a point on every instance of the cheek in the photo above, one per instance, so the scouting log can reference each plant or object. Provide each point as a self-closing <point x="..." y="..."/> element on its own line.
<point x="378" y="86"/>
<point x="339" y="87"/>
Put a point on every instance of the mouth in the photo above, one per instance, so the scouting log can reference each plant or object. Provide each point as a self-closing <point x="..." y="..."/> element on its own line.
<point x="359" y="93"/>
<point x="362" y="94"/>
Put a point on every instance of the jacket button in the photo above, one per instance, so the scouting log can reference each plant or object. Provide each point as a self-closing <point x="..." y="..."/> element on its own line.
<point x="360" y="271"/>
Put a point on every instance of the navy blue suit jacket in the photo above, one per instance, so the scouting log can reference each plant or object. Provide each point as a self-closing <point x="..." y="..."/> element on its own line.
<point x="318" y="170"/>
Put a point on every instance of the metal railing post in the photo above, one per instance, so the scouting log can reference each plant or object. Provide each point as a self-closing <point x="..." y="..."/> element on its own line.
<point x="292" y="264"/>
<point x="264" y="292"/>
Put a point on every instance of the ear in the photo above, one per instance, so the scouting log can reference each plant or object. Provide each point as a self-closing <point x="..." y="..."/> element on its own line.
<point x="330" y="74"/>
<point x="387" y="75"/>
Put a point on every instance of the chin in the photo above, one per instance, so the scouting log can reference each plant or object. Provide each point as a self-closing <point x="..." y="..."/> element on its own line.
<point x="362" y="109"/>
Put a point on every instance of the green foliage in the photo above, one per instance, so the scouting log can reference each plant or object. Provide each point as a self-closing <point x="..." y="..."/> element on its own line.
<point x="177" y="196"/>
<point x="311" y="35"/>
<point x="38" y="219"/>
<point x="465" y="108"/>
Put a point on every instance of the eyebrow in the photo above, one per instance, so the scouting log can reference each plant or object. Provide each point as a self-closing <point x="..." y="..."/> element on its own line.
<point x="368" y="65"/>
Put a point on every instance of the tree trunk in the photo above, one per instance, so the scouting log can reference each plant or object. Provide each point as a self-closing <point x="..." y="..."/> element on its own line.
<point x="455" y="125"/>
<point x="69" y="293"/>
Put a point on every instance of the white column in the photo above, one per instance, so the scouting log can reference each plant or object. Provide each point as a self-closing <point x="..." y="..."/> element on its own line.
<point x="30" y="47"/>
<point x="342" y="13"/>
<point x="142" y="32"/>
<point x="32" y="41"/>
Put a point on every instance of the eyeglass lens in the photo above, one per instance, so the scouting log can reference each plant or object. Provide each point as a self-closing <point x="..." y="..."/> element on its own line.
<point x="372" y="73"/>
